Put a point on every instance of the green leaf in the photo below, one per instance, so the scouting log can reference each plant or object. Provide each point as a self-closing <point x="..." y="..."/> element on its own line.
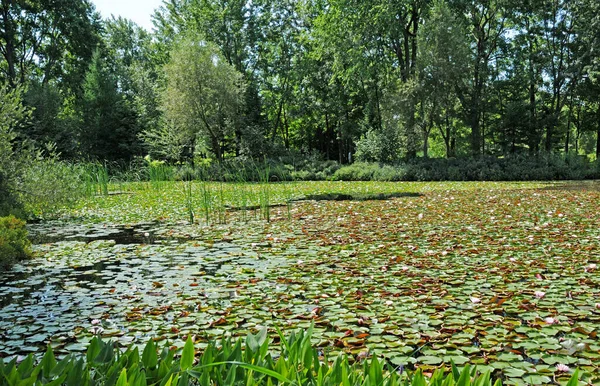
<point x="58" y="381"/>
<point x="419" y="379"/>
<point x="48" y="363"/>
<point x="574" y="381"/>
<point x="187" y="356"/>
<point x="150" y="356"/>
<point x="430" y="360"/>
<point x="93" y="349"/>
<point x="122" y="381"/>
<point x="196" y="371"/>
<point x="465" y="377"/>
<point x="106" y="354"/>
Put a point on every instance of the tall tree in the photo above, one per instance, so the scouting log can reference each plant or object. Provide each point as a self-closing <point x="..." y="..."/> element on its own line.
<point x="108" y="128"/>
<point x="203" y="96"/>
<point x="487" y="24"/>
<point x="46" y="39"/>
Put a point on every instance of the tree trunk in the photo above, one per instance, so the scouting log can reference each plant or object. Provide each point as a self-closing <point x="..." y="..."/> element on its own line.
<point x="598" y="133"/>
<point x="286" y="133"/>
<point x="9" y="51"/>
<point x="411" y="136"/>
<point x="567" y="139"/>
<point x="475" y="132"/>
<point x="216" y="148"/>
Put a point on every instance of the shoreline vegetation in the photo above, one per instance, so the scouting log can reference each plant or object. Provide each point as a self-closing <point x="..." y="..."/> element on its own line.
<point x="253" y="361"/>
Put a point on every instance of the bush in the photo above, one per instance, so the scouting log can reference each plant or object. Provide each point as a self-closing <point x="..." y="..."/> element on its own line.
<point x="30" y="183"/>
<point x="487" y="168"/>
<point x="47" y="184"/>
<point x="14" y="244"/>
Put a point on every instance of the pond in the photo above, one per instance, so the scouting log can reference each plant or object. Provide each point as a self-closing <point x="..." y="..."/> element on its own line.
<point x="128" y="283"/>
<point x="503" y="278"/>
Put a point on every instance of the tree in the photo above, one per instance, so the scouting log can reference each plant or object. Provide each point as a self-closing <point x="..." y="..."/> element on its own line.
<point x="12" y="114"/>
<point x="46" y="39"/>
<point x="203" y="95"/>
<point x="443" y="65"/>
<point x="487" y="24"/>
<point x="132" y="55"/>
<point x="239" y="29"/>
<point x="378" y="47"/>
<point x="108" y="128"/>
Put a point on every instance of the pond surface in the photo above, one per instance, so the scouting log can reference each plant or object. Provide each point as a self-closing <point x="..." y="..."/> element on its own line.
<point x="123" y="282"/>
<point x="505" y="279"/>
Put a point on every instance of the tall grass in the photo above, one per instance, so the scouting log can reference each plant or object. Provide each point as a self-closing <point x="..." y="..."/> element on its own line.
<point x="189" y="202"/>
<point x="265" y="192"/>
<point x="206" y="200"/>
<point x="96" y="179"/>
<point x="241" y="193"/>
<point x="159" y="174"/>
<point x="221" y="206"/>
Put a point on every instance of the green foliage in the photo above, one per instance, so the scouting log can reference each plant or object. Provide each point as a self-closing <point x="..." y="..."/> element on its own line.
<point x="369" y="172"/>
<point x="378" y="146"/>
<point x="12" y="114"/>
<point x="514" y="168"/>
<point x="48" y="184"/>
<point x="95" y="178"/>
<point x="32" y="181"/>
<point x="374" y="80"/>
<point x="242" y="362"/>
<point x="14" y="244"/>
<point x="108" y="129"/>
<point x="202" y="98"/>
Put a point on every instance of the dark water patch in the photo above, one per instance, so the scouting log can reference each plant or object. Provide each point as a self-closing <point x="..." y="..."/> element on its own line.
<point x="357" y="197"/>
<point x="575" y="186"/>
<point x="142" y="233"/>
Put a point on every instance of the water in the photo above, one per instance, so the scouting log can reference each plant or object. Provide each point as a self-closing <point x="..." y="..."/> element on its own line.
<point x="131" y="279"/>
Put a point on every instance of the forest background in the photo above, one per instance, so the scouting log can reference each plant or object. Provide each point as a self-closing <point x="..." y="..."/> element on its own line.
<point x="501" y="89"/>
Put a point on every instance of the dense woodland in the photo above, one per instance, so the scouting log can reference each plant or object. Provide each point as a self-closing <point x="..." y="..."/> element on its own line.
<point x="377" y="80"/>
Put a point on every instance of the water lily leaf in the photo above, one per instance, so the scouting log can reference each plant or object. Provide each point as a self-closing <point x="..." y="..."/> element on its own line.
<point x="430" y="360"/>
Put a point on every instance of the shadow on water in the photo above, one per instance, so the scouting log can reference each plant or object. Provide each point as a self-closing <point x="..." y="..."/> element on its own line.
<point x="143" y="233"/>
<point x="357" y="197"/>
<point x="335" y="197"/>
<point x="23" y="285"/>
<point x="574" y="186"/>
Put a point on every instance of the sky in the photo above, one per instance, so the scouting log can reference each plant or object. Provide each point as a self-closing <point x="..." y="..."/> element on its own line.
<point x="140" y="11"/>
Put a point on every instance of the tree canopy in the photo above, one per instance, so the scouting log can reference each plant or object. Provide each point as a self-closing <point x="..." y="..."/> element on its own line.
<point x="378" y="80"/>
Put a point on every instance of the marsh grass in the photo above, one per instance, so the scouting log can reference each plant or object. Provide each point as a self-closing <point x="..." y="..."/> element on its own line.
<point x="96" y="179"/>
<point x="160" y="174"/>
<point x="206" y="199"/>
<point x="265" y="192"/>
<point x="189" y="200"/>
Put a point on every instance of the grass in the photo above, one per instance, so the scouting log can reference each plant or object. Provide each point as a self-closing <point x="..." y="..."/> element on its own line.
<point x="96" y="179"/>
<point x="213" y="198"/>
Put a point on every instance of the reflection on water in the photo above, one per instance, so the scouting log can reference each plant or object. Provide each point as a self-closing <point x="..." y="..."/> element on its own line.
<point x="120" y="275"/>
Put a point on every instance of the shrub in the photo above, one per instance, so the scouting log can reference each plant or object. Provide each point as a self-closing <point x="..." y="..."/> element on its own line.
<point x="30" y="183"/>
<point x="47" y="184"/>
<point x="486" y="168"/>
<point x="360" y="171"/>
<point x="14" y="244"/>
